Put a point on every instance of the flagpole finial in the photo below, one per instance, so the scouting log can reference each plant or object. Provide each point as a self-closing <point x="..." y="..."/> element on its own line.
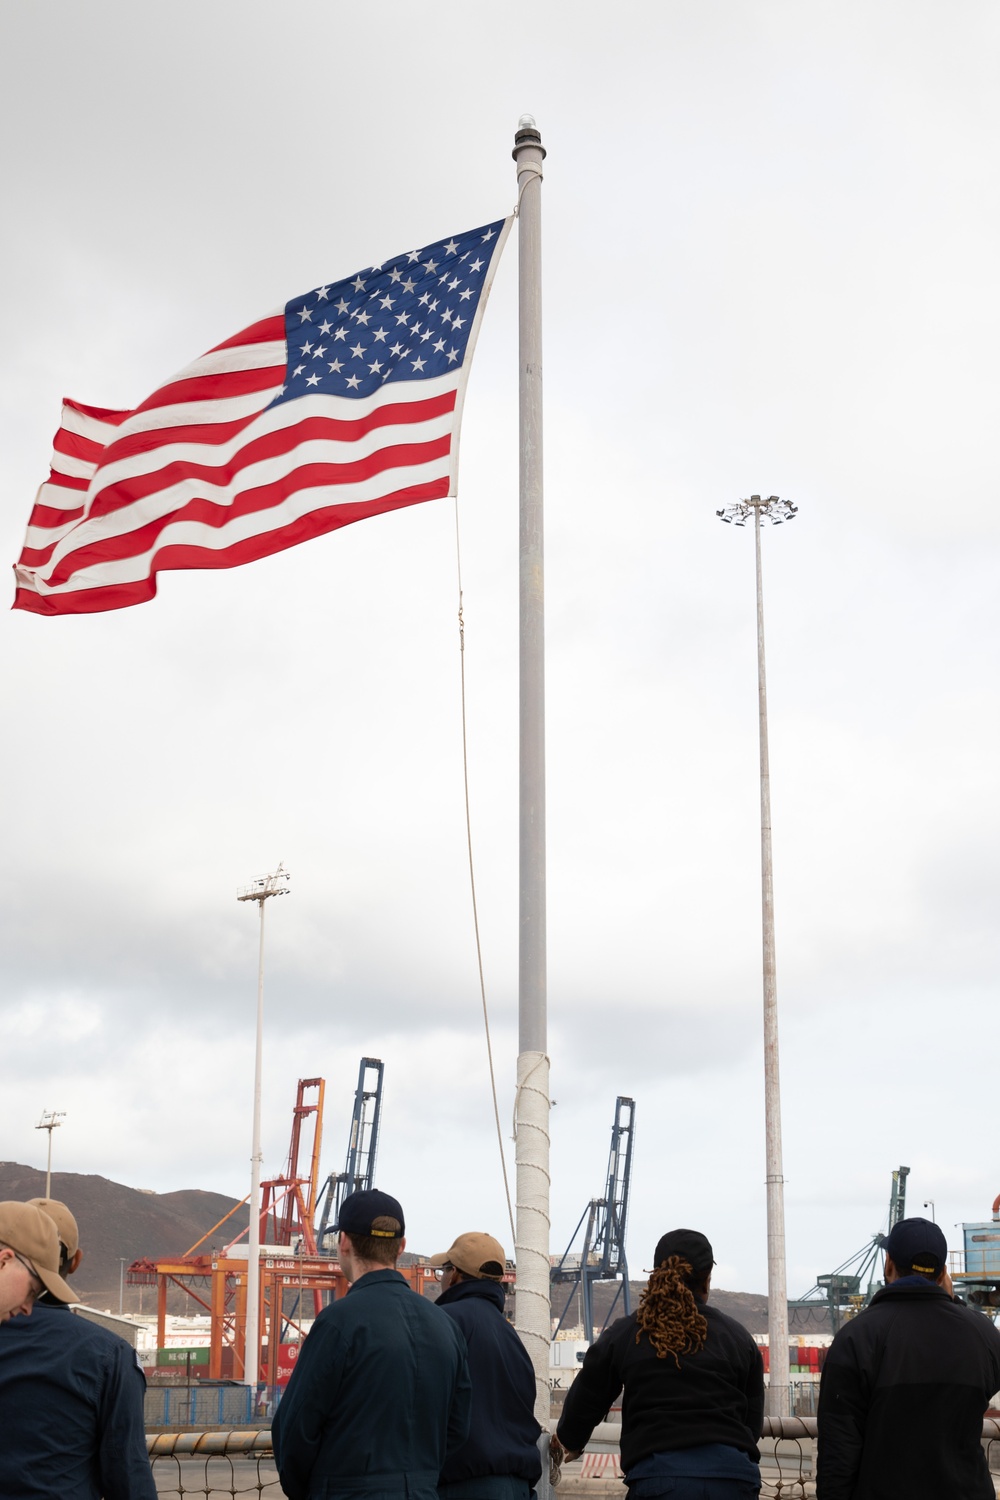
<point x="527" y="134"/>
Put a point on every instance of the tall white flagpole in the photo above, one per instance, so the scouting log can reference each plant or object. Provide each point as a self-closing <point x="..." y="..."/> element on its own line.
<point x="533" y="1319"/>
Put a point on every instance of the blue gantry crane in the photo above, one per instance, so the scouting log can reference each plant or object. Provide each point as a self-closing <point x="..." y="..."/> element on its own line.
<point x="843" y="1292"/>
<point x="362" y="1146"/>
<point x="602" y="1256"/>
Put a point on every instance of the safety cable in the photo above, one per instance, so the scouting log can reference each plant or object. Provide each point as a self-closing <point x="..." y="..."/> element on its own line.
<point x="472" y="878"/>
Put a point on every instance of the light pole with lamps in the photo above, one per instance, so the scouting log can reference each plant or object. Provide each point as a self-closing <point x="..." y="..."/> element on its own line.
<point x="776" y="511"/>
<point x="930" y="1204"/>
<point x="258" y="890"/>
<point x="51" y="1120"/>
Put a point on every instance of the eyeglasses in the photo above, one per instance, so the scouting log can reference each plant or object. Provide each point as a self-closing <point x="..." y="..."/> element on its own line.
<point x="442" y="1271"/>
<point x="36" y="1281"/>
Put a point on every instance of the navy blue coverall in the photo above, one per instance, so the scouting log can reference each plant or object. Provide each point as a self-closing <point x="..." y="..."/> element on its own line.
<point x="499" y="1460"/>
<point x="71" y="1419"/>
<point x="379" y="1397"/>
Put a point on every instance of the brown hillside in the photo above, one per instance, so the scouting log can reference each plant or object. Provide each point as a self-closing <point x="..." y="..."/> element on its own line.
<point x="748" y="1308"/>
<point x="120" y="1221"/>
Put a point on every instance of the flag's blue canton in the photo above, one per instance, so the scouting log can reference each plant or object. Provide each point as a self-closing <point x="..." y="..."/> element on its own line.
<point x="408" y="319"/>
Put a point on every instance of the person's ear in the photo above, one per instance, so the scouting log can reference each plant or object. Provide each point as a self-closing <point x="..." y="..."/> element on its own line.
<point x="73" y="1263"/>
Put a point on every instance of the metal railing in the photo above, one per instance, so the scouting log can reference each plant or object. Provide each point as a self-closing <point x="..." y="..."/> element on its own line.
<point x="236" y="1464"/>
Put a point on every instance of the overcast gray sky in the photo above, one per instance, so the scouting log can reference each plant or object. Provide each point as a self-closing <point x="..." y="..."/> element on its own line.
<point x="771" y="236"/>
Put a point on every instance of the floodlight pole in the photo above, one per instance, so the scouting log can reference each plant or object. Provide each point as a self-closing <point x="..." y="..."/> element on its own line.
<point x="51" y="1120"/>
<point x="259" y="890"/>
<point x="776" y="511"/>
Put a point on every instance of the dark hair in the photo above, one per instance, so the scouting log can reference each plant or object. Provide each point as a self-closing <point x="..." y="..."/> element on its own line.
<point x="385" y="1252"/>
<point x="668" y="1313"/>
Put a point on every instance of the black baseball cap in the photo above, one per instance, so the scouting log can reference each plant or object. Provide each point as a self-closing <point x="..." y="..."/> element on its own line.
<point x="691" y="1245"/>
<point x="372" y="1214"/>
<point x="917" y="1245"/>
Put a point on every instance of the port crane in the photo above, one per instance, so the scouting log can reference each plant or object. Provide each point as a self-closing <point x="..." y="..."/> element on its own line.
<point x="292" y="1263"/>
<point x="839" y="1292"/>
<point x="602" y="1257"/>
<point x="362" y="1146"/>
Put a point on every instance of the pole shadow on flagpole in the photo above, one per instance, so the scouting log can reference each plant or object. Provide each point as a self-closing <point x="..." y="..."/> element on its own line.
<point x="531" y="1110"/>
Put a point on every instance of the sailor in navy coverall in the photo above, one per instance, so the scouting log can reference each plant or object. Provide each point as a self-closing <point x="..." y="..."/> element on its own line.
<point x="380" y="1393"/>
<point x="500" y="1459"/>
<point x="71" y="1401"/>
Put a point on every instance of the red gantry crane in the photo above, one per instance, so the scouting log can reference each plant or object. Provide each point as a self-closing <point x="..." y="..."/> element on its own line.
<point x="291" y="1262"/>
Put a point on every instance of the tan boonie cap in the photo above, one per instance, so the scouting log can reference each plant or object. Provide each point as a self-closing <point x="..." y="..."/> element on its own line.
<point x="69" y="1234"/>
<point x="33" y="1234"/>
<point x="478" y="1255"/>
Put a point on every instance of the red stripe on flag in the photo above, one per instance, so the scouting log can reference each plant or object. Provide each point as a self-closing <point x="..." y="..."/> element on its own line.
<point x="47" y="515"/>
<point x="67" y="481"/>
<point x="215" y="387"/>
<point x="99" y="413"/>
<point x="267" y="331"/>
<point x="76" y="446"/>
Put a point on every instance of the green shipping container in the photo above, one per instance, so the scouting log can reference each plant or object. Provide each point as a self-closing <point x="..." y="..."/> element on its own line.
<point x="181" y="1357"/>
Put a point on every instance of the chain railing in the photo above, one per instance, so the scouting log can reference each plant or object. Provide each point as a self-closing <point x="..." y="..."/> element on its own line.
<point x="241" y="1463"/>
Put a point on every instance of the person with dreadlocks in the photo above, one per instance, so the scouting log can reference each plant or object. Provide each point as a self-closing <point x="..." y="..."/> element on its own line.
<point x="693" y="1379"/>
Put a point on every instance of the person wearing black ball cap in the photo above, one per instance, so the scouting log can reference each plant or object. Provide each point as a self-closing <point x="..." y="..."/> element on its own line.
<point x="906" y="1384"/>
<point x="380" y="1393"/>
<point x="693" y="1380"/>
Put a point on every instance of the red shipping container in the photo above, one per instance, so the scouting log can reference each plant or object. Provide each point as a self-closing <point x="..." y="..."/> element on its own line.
<point x="287" y="1355"/>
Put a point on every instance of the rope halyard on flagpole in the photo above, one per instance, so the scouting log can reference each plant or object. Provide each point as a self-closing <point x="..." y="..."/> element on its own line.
<point x="472" y="881"/>
<point x="528" y="171"/>
<point x="531" y="1112"/>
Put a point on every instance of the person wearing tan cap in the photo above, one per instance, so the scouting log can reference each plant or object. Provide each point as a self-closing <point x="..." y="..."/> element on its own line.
<point x="71" y="1392"/>
<point x="70" y="1254"/>
<point x="500" y="1458"/>
<point x="29" y="1259"/>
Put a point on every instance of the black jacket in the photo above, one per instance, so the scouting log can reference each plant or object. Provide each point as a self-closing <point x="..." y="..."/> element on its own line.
<point x="902" y="1398"/>
<point x="378" y="1398"/>
<point x="504" y="1434"/>
<point x="71" y="1396"/>
<point x="714" y="1396"/>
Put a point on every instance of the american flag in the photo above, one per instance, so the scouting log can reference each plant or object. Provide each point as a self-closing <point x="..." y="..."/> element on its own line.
<point x="346" y="404"/>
